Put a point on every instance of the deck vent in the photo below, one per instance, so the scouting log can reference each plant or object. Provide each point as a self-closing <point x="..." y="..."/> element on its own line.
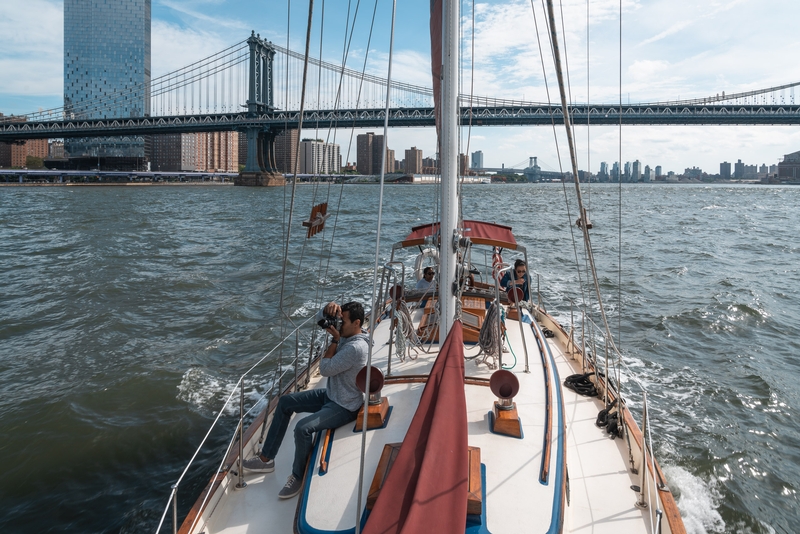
<point x="503" y="417"/>
<point x="378" y="406"/>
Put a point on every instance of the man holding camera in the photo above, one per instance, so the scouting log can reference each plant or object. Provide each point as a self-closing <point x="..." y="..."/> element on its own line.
<point x="330" y="407"/>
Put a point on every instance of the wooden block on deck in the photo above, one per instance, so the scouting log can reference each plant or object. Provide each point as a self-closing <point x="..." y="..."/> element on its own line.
<point x="507" y="421"/>
<point x="475" y="491"/>
<point x="376" y="415"/>
<point x="388" y="456"/>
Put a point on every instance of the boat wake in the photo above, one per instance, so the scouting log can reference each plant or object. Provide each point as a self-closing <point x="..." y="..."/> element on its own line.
<point x="698" y="501"/>
<point x="207" y="393"/>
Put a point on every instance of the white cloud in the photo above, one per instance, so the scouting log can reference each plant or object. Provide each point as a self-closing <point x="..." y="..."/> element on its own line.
<point x="31" y="40"/>
<point x="174" y="47"/>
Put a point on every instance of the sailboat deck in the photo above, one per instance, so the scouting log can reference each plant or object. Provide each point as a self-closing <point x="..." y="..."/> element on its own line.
<point x="598" y="470"/>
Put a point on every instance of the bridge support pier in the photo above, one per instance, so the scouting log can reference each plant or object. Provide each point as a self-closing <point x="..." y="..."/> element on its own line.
<point x="260" y="168"/>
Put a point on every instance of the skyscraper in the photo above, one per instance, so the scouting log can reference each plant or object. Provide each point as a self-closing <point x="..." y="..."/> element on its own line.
<point x="413" y="161"/>
<point x="636" y="172"/>
<point x="477" y="159"/>
<point x="725" y="170"/>
<point x="106" y="70"/>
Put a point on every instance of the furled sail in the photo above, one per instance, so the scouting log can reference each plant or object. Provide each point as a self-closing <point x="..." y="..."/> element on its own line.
<point x="426" y="489"/>
<point x="436" y="59"/>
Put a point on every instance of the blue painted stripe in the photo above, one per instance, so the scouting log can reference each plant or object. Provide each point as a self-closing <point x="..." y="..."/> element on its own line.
<point x="302" y="526"/>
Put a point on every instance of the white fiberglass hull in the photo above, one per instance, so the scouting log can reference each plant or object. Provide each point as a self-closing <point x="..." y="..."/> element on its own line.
<point x="564" y="475"/>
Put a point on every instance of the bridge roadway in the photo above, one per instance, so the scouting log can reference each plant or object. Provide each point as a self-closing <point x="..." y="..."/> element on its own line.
<point x="517" y="115"/>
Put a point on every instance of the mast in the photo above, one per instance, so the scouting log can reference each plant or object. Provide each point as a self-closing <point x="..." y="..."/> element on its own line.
<point x="449" y="162"/>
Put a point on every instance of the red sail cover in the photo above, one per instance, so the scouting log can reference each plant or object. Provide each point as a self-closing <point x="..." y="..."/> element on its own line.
<point x="436" y="58"/>
<point x="426" y="489"/>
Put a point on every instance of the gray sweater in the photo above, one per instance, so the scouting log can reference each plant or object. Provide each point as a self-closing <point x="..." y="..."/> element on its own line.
<point x="341" y="369"/>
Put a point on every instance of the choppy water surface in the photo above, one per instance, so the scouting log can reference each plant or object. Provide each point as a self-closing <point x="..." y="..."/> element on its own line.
<point x="127" y="314"/>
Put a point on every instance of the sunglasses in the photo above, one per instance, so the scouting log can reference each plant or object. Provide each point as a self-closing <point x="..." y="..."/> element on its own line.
<point x="428" y="274"/>
<point x="521" y="271"/>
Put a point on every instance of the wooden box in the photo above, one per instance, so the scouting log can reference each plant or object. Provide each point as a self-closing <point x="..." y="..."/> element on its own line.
<point x="389" y="455"/>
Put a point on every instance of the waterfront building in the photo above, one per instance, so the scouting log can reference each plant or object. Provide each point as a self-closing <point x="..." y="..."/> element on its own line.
<point x="463" y="165"/>
<point x="627" y="176"/>
<point x="636" y="171"/>
<point x="176" y="152"/>
<point x="286" y="144"/>
<point x="107" y="74"/>
<point x="789" y="168"/>
<point x="615" y="172"/>
<point x="430" y="165"/>
<point x="16" y="155"/>
<point x="694" y="172"/>
<point x="364" y="151"/>
<point x="390" y="161"/>
<point x="165" y="153"/>
<point x="318" y="157"/>
<point x="413" y="164"/>
<point x="218" y="152"/>
<point x="738" y="170"/>
<point x="725" y="170"/>
<point x="603" y="174"/>
<point x="56" y="150"/>
<point x="659" y="171"/>
<point x="377" y="145"/>
<point x="368" y="154"/>
<point x="477" y="159"/>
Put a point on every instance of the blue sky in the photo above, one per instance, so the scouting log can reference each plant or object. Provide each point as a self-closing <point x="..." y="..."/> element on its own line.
<point x="670" y="49"/>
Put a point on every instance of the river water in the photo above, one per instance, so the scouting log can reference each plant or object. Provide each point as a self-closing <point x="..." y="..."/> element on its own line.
<point x="127" y="314"/>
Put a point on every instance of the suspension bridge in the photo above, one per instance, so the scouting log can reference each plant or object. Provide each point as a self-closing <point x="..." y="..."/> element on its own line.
<point x="234" y="89"/>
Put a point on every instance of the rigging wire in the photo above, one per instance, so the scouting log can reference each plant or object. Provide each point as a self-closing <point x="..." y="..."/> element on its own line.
<point x="296" y="162"/>
<point x="558" y="154"/>
<point x="375" y="296"/>
<point x="619" y="187"/>
<point x="345" y="54"/>
<point x="573" y="158"/>
<point x="471" y="93"/>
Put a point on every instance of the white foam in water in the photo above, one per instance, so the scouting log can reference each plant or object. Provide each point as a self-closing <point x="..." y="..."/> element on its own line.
<point x="698" y="501"/>
<point x="208" y="392"/>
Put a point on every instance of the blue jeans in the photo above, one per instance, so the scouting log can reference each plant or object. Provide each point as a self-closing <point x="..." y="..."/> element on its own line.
<point x="324" y="414"/>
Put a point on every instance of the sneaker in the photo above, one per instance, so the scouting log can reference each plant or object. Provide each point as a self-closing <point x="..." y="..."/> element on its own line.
<point x="258" y="465"/>
<point x="292" y="487"/>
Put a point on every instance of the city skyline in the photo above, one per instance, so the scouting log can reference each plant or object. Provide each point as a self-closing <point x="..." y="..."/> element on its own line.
<point x="670" y="50"/>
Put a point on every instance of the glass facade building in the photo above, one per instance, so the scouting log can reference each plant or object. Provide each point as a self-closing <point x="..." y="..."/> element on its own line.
<point x="106" y="70"/>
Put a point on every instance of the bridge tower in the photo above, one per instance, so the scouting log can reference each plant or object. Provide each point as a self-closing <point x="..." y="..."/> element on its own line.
<point x="260" y="169"/>
<point x="533" y="173"/>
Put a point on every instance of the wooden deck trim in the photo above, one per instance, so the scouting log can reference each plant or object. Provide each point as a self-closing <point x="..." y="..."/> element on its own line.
<point x="544" y="472"/>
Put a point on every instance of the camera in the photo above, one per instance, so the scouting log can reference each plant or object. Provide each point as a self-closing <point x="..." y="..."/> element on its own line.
<point x="329" y="320"/>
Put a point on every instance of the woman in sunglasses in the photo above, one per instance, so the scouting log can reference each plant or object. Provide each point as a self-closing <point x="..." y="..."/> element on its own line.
<point x="517" y="277"/>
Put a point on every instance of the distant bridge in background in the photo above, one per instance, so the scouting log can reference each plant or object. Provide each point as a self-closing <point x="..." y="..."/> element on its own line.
<point x="234" y="89"/>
